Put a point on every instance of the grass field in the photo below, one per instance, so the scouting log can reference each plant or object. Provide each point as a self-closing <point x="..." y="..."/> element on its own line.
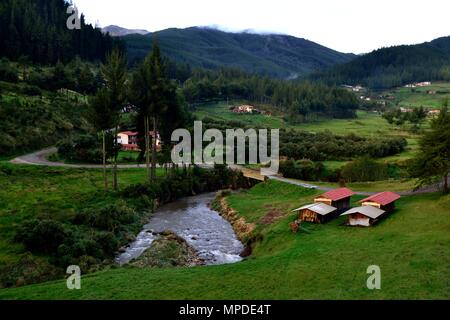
<point x="31" y="192"/>
<point x="374" y="186"/>
<point x="221" y="111"/>
<point x="367" y="124"/>
<point x="419" y="97"/>
<point x="412" y="248"/>
<point x="124" y="157"/>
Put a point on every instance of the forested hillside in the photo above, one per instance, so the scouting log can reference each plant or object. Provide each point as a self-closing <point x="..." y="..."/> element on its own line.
<point x="37" y="29"/>
<point x="394" y="66"/>
<point x="297" y="100"/>
<point x="274" y="55"/>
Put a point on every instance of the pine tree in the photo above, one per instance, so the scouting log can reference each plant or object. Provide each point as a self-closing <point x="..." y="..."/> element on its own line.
<point x="432" y="163"/>
<point x="157" y="102"/>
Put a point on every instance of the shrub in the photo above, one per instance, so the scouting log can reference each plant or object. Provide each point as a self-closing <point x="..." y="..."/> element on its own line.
<point x="84" y="148"/>
<point x="109" y="218"/>
<point x="31" y="90"/>
<point x="303" y="169"/>
<point x="8" y="72"/>
<point x="41" y="236"/>
<point x="365" y="169"/>
<point x="27" y="270"/>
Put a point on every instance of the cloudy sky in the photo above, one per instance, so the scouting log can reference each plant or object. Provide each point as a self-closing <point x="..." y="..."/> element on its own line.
<point x="356" y="26"/>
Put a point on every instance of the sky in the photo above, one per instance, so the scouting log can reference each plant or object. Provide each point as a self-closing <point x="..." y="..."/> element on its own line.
<point x="357" y="26"/>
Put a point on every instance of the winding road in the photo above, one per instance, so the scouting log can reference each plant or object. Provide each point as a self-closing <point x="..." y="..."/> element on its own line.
<point x="39" y="158"/>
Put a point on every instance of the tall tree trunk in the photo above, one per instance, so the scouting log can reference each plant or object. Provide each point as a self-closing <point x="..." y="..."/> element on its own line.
<point x="115" y="183"/>
<point x="154" y="146"/>
<point x="147" y="146"/>
<point x="446" y="184"/>
<point x="105" y="177"/>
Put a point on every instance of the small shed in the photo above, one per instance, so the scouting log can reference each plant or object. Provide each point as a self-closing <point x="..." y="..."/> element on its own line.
<point x="338" y="198"/>
<point x="384" y="201"/>
<point x="365" y="216"/>
<point x="317" y="213"/>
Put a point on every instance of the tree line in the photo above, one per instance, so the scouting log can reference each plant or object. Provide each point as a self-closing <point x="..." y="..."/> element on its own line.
<point x="390" y="67"/>
<point x="37" y="29"/>
<point x="298" y="100"/>
<point x="155" y="97"/>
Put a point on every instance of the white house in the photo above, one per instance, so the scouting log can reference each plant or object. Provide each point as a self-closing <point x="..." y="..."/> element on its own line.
<point x="130" y="140"/>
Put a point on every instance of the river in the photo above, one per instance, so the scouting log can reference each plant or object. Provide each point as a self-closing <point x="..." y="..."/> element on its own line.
<point x="191" y="218"/>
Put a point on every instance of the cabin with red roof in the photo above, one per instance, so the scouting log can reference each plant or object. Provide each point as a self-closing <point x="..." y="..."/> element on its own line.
<point x="384" y="201"/>
<point x="338" y="198"/>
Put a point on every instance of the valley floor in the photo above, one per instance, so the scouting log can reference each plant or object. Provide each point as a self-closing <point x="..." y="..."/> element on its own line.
<point x="412" y="248"/>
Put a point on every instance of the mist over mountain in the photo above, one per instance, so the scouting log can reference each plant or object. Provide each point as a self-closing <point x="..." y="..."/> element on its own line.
<point x="116" y="31"/>
<point x="274" y="55"/>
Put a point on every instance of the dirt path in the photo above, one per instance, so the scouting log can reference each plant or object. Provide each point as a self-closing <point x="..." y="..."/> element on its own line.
<point x="39" y="158"/>
<point x="429" y="189"/>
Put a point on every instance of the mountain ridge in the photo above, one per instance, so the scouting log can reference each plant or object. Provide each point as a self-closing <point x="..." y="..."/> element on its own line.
<point x="275" y="55"/>
<point x="393" y="66"/>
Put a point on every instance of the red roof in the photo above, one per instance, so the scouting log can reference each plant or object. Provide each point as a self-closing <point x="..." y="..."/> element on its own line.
<point x="338" y="194"/>
<point x="133" y="134"/>
<point x="383" y="198"/>
<point x="129" y="133"/>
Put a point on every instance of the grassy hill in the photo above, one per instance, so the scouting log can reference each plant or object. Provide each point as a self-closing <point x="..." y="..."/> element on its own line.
<point x="276" y="55"/>
<point x="433" y="96"/>
<point x="327" y="262"/>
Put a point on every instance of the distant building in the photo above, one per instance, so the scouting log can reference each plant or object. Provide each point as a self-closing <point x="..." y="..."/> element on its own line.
<point x="339" y="198"/>
<point x="357" y="88"/>
<point x="406" y="110"/>
<point x="128" y="108"/>
<point x="244" y="109"/>
<point x="418" y="84"/>
<point x="434" y="112"/>
<point x="317" y="213"/>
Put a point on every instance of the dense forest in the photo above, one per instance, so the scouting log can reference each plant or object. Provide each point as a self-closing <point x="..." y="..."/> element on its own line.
<point x="274" y="55"/>
<point x="298" y="100"/>
<point x="393" y="67"/>
<point x="37" y="30"/>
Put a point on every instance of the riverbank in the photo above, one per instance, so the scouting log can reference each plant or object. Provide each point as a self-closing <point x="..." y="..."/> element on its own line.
<point x="412" y="248"/>
<point x="191" y="219"/>
<point x="75" y="221"/>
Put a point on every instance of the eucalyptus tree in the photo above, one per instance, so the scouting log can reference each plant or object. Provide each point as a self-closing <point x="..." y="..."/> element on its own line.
<point x="101" y="117"/>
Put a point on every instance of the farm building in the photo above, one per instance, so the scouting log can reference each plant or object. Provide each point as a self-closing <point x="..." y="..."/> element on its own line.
<point x="339" y="198"/>
<point x="244" y="109"/>
<point x="317" y="213"/>
<point x="384" y="201"/>
<point x="364" y="216"/>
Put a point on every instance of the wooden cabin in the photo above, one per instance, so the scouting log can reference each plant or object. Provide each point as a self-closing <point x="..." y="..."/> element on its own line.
<point x="317" y="213"/>
<point x="365" y="216"/>
<point x="339" y="198"/>
<point x="384" y="201"/>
